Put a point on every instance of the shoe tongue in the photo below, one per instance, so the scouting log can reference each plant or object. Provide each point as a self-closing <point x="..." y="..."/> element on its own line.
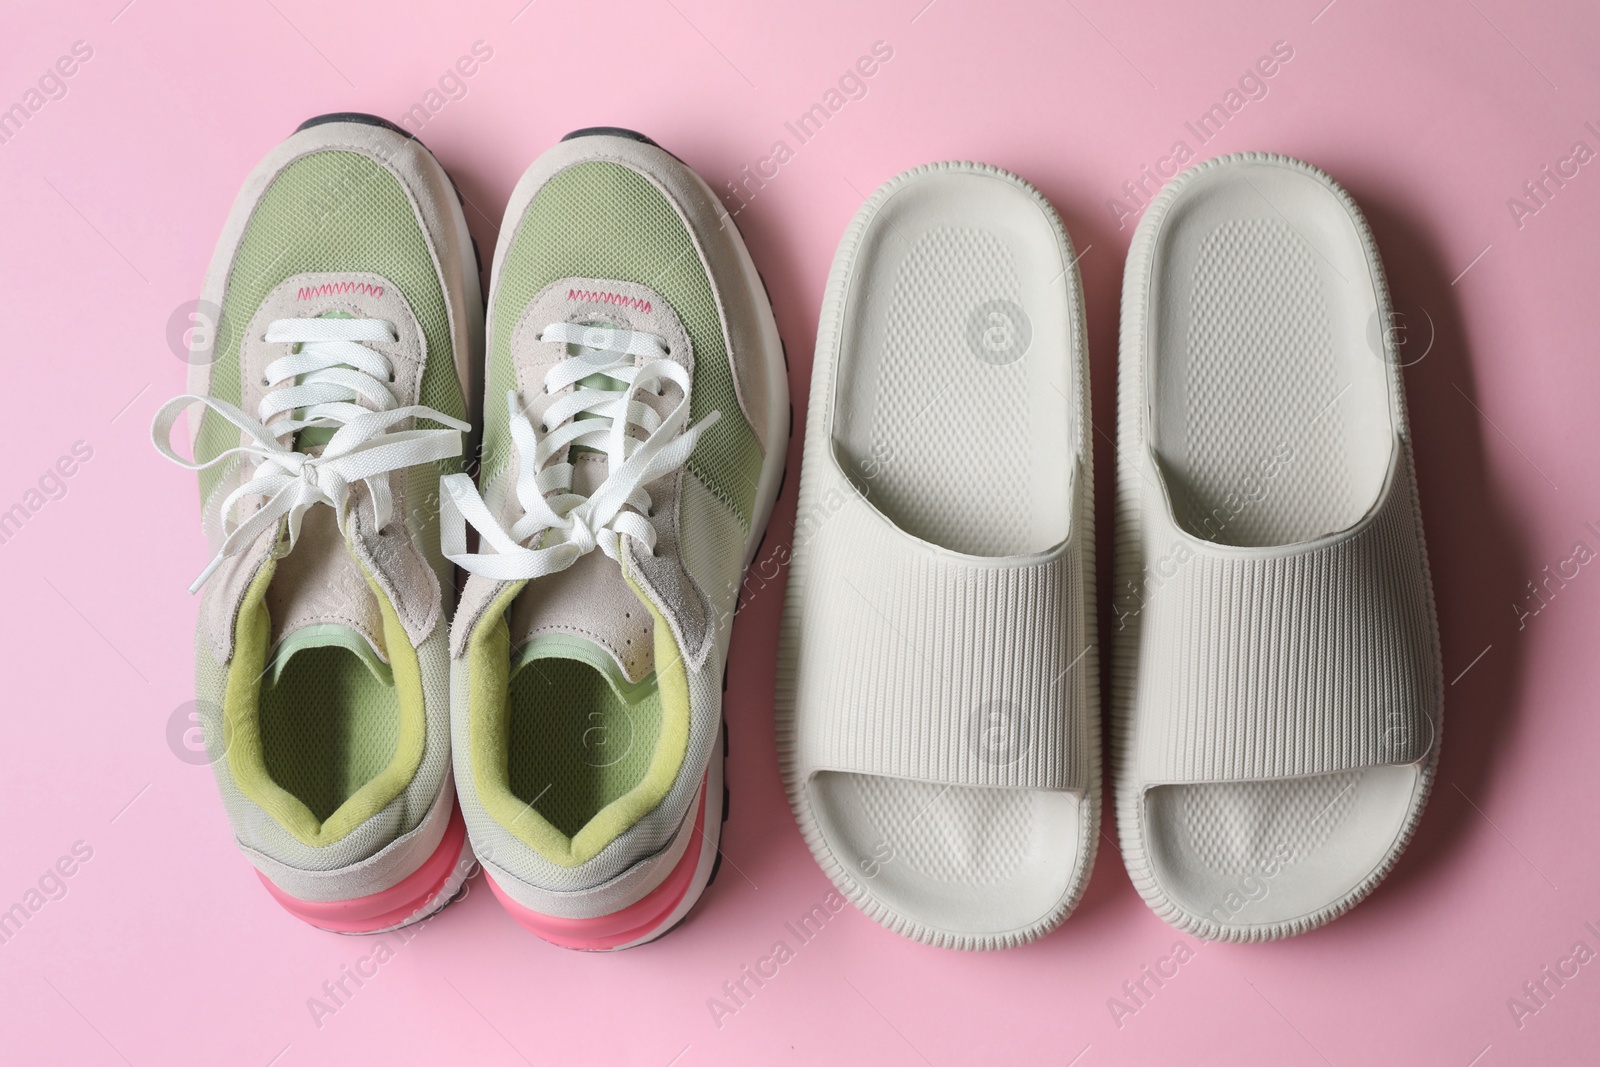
<point x="328" y="635"/>
<point x="319" y="595"/>
<point x="590" y="607"/>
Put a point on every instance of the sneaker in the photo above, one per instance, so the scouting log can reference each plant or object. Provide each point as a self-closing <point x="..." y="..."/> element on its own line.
<point x="633" y="445"/>
<point x="326" y="402"/>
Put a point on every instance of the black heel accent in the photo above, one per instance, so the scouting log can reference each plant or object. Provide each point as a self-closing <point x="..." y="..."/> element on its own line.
<point x="360" y="117"/>
<point x="610" y="131"/>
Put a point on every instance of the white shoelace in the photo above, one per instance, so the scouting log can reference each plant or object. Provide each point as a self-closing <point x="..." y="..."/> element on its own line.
<point x="565" y="525"/>
<point x="318" y="387"/>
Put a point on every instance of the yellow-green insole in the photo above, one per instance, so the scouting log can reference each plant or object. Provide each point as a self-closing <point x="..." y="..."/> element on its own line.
<point x="327" y="727"/>
<point x="575" y="746"/>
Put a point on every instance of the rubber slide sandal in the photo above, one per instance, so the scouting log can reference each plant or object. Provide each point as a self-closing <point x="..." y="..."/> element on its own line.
<point x="937" y="682"/>
<point x="1277" y="683"/>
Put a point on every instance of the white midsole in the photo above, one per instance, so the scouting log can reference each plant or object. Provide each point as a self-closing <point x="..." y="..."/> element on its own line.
<point x="465" y="867"/>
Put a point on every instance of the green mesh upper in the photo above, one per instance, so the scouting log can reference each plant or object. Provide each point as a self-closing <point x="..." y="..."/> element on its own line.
<point x="602" y="220"/>
<point x="330" y="211"/>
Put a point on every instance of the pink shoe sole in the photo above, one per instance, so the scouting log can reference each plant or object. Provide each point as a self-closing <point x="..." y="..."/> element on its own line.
<point x="636" y="923"/>
<point x="413" y="898"/>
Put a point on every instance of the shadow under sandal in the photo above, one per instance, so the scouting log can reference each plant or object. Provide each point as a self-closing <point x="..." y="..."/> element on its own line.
<point x="1277" y="685"/>
<point x="936" y="678"/>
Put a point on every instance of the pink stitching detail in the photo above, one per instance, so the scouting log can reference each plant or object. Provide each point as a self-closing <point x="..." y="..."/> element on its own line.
<point x="600" y="297"/>
<point x="338" y="288"/>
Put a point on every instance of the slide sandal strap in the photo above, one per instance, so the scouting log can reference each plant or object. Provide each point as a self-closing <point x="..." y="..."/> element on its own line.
<point x="928" y="664"/>
<point x="1286" y="662"/>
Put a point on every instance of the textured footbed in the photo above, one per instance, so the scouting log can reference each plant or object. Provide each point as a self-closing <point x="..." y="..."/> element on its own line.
<point x="960" y="441"/>
<point x="328" y="727"/>
<point x="575" y="746"/>
<point x="1270" y="423"/>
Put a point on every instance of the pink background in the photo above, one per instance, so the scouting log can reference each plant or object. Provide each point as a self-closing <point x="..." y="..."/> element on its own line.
<point x="165" y="949"/>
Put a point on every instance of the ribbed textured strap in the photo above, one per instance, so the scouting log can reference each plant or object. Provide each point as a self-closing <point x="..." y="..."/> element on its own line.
<point x="1305" y="662"/>
<point x="920" y="663"/>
